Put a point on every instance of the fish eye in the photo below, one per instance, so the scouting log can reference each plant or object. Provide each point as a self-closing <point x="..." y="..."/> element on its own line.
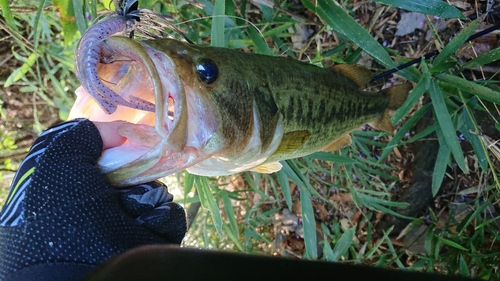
<point x="207" y="71"/>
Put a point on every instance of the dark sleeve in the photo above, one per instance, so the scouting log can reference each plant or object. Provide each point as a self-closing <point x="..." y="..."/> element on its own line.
<point x="61" y="217"/>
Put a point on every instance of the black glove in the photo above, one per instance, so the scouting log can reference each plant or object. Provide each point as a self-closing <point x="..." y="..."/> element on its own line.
<point x="62" y="218"/>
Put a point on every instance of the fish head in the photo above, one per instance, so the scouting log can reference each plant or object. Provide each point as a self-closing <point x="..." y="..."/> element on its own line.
<point x="181" y="81"/>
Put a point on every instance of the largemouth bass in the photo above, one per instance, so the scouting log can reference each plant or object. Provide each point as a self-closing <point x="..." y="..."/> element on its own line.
<point x="219" y="111"/>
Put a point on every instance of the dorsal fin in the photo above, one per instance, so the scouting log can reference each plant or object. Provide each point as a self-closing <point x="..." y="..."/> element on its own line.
<point x="357" y="73"/>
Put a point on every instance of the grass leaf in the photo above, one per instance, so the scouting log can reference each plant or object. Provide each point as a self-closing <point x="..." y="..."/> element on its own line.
<point x="259" y="42"/>
<point x="483" y="59"/>
<point x="228" y="207"/>
<point x="285" y="188"/>
<point x="343" y="23"/>
<point x="207" y="200"/>
<point x="217" y="31"/>
<point x="68" y="19"/>
<point x="415" y="94"/>
<point x="309" y="222"/>
<point x="326" y="156"/>
<point x="429" y="7"/>
<point x="7" y="14"/>
<point x="452" y="244"/>
<point x="403" y="130"/>
<point x="231" y="234"/>
<point x="442" y="159"/>
<point x="188" y="183"/>
<point x="474" y="140"/>
<point x="79" y="15"/>
<point x="470" y="87"/>
<point x="343" y="244"/>
<point x="446" y="125"/>
<point x="464" y="271"/>
<point x="455" y="43"/>
<point x="21" y="71"/>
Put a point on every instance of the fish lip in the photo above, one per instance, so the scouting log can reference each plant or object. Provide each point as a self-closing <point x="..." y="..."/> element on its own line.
<point x="166" y="84"/>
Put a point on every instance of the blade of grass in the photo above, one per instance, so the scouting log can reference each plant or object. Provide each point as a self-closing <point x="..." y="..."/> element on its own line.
<point x="376" y="247"/>
<point x="7" y="14"/>
<point x="230" y="213"/>
<point x="473" y="139"/>
<point x="207" y="200"/>
<point x="474" y="215"/>
<point x="452" y="244"/>
<point x="309" y="222"/>
<point x="483" y="59"/>
<point x="37" y="21"/>
<point x="251" y="182"/>
<point x="79" y="15"/>
<point x="380" y="208"/>
<point x="231" y="234"/>
<point x="428" y="7"/>
<point x="279" y="30"/>
<point x="343" y="23"/>
<point x="413" y="97"/>
<point x="285" y="188"/>
<point x="217" y="31"/>
<point x="93" y="9"/>
<point x="325" y="156"/>
<point x="21" y="71"/>
<point x="296" y="176"/>
<point x="403" y="130"/>
<point x="259" y="42"/>
<point x="442" y="159"/>
<point x="470" y="87"/>
<point x="327" y="250"/>
<point x="390" y="203"/>
<point x="464" y="271"/>
<point x="372" y="171"/>
<point x="455" y="43"/>
<point x="343" y="244"/>
<point x="188" y="184"/>
<point x="446" y="125"/>
<point x="393" y="253"/>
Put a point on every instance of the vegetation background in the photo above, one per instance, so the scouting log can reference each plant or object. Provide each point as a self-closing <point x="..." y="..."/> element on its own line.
<point x="424" y="198"/>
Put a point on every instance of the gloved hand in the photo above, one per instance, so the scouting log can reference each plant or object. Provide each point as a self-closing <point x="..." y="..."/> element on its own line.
<point x="61" y="217"/>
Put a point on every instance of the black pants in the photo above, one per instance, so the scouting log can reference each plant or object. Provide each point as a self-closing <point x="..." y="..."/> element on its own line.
<point x="150" y="263"/>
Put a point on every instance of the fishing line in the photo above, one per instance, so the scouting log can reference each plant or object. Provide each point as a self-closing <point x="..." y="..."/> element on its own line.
<point x="431" y="54"/>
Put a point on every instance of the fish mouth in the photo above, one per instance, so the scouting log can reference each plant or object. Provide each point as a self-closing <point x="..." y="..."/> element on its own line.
<point x="140" y="75"/>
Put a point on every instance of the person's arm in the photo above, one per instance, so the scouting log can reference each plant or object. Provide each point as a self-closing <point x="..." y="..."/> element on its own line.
<point x="61" y="218"/>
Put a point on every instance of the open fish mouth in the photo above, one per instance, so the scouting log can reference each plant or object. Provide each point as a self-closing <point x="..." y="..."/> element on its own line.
<point x="151" y="100"/>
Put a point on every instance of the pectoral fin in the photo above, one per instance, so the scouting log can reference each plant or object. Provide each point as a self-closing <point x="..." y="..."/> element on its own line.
<point x="340" y="143"/>
<point x="292" y="140"/>
<point x="267" y="168"/>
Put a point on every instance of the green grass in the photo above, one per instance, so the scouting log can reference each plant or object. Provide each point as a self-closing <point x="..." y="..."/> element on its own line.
<point x="239" y="217"/>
